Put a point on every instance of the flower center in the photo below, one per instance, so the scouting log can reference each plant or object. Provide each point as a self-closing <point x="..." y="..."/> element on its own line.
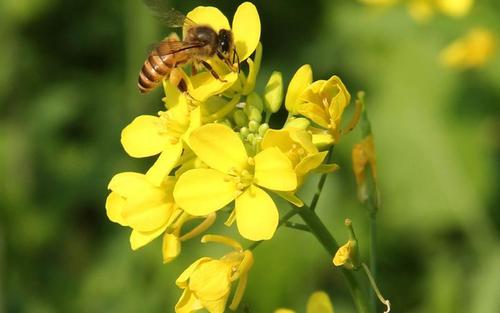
<point x="242" y="178"/>
<point x="296" y="153"/>
<point x="173" y="127"/>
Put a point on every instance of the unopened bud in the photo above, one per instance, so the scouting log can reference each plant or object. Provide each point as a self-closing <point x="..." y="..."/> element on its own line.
<point x="240" y="118"/>
<point x="253" y="126"/>
<point x="255" y="100"/>
<point x="263" y="129"/>
<point x="273" y="94"/>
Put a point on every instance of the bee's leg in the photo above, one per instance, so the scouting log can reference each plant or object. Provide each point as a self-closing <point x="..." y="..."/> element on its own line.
<point x="212" y="71"/>
<point x="177" y="80"/>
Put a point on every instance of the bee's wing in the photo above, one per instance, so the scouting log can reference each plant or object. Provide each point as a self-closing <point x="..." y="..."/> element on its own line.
<point x="167" y="47"/>
<point x="167" y="15"/>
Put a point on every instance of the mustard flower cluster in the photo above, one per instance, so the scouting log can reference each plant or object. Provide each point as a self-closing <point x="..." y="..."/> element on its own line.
<point x="217" y="155"/>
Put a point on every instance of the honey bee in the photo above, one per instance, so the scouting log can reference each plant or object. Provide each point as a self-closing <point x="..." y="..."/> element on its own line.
<point x="200" y="43"/>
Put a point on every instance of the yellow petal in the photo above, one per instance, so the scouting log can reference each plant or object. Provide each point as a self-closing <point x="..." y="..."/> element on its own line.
<point x="279" y="138"/>
<point x="315" y="113"/>
<point x="202" y="191"/>
<point x="143" y="137"/>
<point x="173" y="96"/>
<point x="114" y="208"/>
<point x="340" y="101"/>
<point x="309" y="163"/>
<point x="246" y="29"/>
<point x="313" y="92"/>
<point x="183" y="279"/>
<point x="273" y="170"/>
<point x="284" y="311"/>
<point x="147" y="213"/>
<point x="290" y="197"/>
<point x="300" y="81"/>
<point x="256" y="214"/>
<point x="216" y="306"/>
<point x="211" y="280"/>
<point x="319" y="302"/>
<point x="171" y="247"/>
<point x="139" y="239"/>
<point x="130" y="184"/>
<point x="304" y="138"/>
<point x="188" y="303"/>
<point x="219" y="147"/>
<point x="165" y="163"/>
<point x="209" y="16"/>
<point x="205" y="85"/>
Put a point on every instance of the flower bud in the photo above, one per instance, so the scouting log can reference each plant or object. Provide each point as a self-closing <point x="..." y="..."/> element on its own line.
<point x="254" y="114"/>
<point x="273" y="94"/>
<point x="263" y="129"/>
<point x="240" y="118"/>
<point x="255" y="100"/>
<point x="253" y="126"/>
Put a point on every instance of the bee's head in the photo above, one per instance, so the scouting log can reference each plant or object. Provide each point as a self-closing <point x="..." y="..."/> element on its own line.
<point x="225" y="47"/>
<point x="225" y="42"/>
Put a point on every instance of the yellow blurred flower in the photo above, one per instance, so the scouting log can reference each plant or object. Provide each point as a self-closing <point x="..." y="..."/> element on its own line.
<point x="233" y="175"/>
<point x="319" y="302"/>
<point x="473" y="50"/>
<point x="246" y="31"/>
<point x="136" y="202"/>
<point x="164" y="134"/>
<point x="363" y="154"/>
<point x="322" y="101"/>
<point x="455" y="8"/>
<point x="379" y="2"/>
<point x="207" y="282"/>
<point x="422" y="10"/>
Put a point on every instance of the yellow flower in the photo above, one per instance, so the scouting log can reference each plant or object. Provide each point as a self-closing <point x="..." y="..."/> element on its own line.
<point x="164" y="134"/>
<point x="319" y="302"/>
<point x="322" y="101"/>
<point x="136" y="202"/>
<point x="473" y="50"/>
<point x="246" y="32"/>
<point x="233" y="175"/>
<point x="207" y="282"/>
<point x="343" y="255"/>
<point x="298" y="146"/>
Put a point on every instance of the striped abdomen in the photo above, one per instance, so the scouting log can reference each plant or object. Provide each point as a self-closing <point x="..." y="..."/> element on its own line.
<point x="156" y="67"/>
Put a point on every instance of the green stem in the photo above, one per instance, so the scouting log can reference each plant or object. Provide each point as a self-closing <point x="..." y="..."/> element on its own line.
<point x="321" y="233"/>
<point x="297" y="226"/>
<point x="321" y="183"/>
<point x="373" y="257"/>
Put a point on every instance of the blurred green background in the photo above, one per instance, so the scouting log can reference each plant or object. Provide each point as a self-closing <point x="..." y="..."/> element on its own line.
<point x="68" y="72"/>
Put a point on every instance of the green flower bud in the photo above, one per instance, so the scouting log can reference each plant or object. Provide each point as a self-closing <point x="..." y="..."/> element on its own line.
<point x="253" y="126"/>
<point x="255" y="100"/>
<point x="244" y="132"/>
<point x="251" y="138"/>
<point x="254" y="114"/>
<point x="263" y="129"/>
<point x="273" y="94"/>
<point x="300" y="122"/>
<point x="240" y="118"/>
